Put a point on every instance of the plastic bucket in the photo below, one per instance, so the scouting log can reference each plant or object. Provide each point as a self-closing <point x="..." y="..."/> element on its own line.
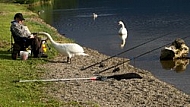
<point x="23" y="55"/>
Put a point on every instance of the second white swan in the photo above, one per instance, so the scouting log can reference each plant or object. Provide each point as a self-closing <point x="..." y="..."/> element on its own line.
<point x="122" y="33"/>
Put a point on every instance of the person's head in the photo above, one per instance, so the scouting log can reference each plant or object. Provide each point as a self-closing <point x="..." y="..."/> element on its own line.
<point x="19" y="17"/>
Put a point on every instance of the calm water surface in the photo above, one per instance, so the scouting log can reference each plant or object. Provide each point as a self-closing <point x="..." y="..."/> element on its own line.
<point x="144" y="19"/>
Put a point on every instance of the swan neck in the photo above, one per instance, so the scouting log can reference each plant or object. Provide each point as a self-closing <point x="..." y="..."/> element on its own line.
<point x="122" y="25"/>
<point x="50" y="38"/>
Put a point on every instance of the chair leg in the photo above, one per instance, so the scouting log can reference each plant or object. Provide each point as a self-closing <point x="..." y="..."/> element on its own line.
<point x="15" y="51"/>
<point x="10" y="50"/>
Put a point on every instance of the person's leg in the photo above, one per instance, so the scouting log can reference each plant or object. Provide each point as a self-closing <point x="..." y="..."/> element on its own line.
<point x="35" y="45"/>
<point x="22" y="44"/>
<point x="28" y="42"/>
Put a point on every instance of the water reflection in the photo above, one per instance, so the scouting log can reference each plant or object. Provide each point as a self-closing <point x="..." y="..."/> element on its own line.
<point x="178" y="65"/>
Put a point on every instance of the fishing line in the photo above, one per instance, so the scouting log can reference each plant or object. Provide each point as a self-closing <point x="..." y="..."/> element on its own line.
<point x="135" y="57"/>
<point x="125" y="51"/>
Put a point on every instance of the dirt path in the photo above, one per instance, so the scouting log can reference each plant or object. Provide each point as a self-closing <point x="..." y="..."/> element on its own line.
<point x="145" y="92"/>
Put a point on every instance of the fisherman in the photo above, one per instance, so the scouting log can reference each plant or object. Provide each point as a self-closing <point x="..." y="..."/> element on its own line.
<point x="22" y="35"/>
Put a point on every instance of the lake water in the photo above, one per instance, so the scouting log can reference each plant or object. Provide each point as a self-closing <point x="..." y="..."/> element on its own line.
<point x="144" y="19"/>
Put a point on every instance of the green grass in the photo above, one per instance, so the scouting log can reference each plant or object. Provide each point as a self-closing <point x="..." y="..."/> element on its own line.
<point x="22" y="94"/>
<point x="15" y="94"/>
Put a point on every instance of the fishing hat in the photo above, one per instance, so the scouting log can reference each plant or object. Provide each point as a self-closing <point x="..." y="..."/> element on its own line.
<point x="19" y="15"/>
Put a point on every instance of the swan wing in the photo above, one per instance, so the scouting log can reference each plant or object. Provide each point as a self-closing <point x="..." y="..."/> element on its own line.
<point x="124" y="36"/>
<point x="123" y="31"/>
<point x="70" y="49"/>
<point x="76" y="49"/>
<point x="61" y="48"/>
<point x="73" y="48"/>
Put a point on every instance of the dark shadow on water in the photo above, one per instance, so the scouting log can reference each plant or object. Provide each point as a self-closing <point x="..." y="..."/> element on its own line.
<point x="178" y="65"/>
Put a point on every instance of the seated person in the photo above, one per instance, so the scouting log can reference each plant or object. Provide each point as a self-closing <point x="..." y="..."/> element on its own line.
<point x="22" y="36"/>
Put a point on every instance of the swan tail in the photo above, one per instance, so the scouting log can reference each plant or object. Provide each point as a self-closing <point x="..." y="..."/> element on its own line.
<point x="83" y="54"/>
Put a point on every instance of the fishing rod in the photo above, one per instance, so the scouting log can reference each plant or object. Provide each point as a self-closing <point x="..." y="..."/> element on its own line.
<point x="58" y="80"/>
<point x="98" y="78"/>
<point x="136" y="57"/>
<point x="125" y="51"/>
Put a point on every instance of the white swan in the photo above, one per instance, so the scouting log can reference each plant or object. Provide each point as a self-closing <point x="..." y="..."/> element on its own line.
<point x="122" y="33"/>
<point x="94" y="16"/>
<point x="66" y="49"/>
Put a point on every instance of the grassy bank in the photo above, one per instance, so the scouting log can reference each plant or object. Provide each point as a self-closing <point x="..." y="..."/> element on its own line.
<point x="18" y="94"/>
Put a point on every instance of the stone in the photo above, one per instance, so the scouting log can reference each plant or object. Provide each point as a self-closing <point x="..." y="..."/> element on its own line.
<point x="177" y="50"/>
